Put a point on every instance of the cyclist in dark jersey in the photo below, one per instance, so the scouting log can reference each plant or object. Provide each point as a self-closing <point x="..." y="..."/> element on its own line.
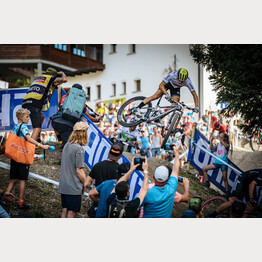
<point x="173" y="82"/>
<point x="244" y="187"/>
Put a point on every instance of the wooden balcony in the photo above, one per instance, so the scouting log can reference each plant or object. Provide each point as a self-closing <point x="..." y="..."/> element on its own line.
<point x="47" y="53"/>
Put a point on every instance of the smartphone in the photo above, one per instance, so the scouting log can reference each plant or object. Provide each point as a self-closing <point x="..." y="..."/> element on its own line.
<point x="180" y="179"/>
<point x="139" y="161"/>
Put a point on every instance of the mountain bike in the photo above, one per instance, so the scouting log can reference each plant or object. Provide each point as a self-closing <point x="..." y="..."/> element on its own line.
<point x="128" y="117"/>
<point x="256" y="137"/>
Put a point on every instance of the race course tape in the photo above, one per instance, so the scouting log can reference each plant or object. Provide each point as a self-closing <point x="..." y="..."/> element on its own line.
<point x="33" y="175"/>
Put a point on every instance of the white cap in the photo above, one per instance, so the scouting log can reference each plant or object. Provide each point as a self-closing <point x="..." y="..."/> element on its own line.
<point x="178" y="135"/>
<point x="161" y="174"/>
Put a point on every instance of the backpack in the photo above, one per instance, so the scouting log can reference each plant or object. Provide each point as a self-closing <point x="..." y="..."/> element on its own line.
<point x="73" y="105"/>
<point x="117" y="210"/>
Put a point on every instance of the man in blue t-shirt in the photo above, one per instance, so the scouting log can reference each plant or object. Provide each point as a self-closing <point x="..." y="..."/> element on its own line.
<point x="101" y="192"/>
<point x="159" y="200"/>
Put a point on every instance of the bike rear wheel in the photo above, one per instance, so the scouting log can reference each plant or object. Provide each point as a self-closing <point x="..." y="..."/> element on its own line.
<point x="172" y="126"/>
<point x="126" y="112"/>
<point x="255" y="142"/>
<point x="212" y="204"/>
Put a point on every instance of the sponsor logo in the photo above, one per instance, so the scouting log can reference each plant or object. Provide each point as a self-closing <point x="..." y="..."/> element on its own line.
<point x="20" y="149"/>
<point x="40" y="79"/>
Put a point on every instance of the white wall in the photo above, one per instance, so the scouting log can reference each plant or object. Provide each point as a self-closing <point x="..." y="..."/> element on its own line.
<point x="149" y="64"/>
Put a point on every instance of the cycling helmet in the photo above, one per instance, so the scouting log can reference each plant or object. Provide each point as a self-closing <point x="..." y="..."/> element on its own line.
<point x="195" y="204"/>
<point x="182" y="74"/>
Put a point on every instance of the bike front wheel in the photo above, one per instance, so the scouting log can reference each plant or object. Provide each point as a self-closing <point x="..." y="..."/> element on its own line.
<point x="212" y="204"/>
<point x="255" y="141"/>
<point x="127" y="115"/>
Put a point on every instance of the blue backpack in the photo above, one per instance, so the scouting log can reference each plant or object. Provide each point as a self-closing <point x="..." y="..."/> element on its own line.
<point x="74" y="104"/>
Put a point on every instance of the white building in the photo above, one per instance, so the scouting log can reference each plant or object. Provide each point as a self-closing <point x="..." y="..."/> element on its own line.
<point x="137" y="70"/>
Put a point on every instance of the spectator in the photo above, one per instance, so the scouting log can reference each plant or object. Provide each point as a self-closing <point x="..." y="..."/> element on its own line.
<point x="206" y="117"/>
<point x="38" y="97"/>
<point x="72" y="175"/>
<point x="104" y="170"/>
<point x="100" y="194"/>
<point x="159" y="200"/>
<point x="231" y="128"/>
<point x="237" y="209"/>
<point x="195" y="204"/>
<point x="155" y="141"/>
<point x="213" y="119"/>
<point x="145" y="145"/>
<point x="219" y="127"/>
<point x="221" y="152"/>
<point x="178" y="197"/>
<point x="188" y="214"/>
<point x="9" y="197"/>
<point x="19" y="171"/>
<point x="120" y="195"/>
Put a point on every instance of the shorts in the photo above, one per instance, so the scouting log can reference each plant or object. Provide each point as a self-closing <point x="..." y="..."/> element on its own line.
<point x="19" y="171"/>
<point x="92" y="210"/>
<point x="155" y="152"/>
<point x="174" y="92"/>
<point x="35" y="116"/>
<point x="71" y="202"/>
<point x="223" y="167"/>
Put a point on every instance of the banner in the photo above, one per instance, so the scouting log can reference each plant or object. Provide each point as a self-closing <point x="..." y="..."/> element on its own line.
<point x="11" y="100"/>
<point x="97" y="151"/>
<point x="201" y="157"/>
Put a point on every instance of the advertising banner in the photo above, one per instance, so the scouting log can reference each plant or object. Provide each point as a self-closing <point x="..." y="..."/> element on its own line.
<point x="11" y="100"/>
<point x="97" y="151"/>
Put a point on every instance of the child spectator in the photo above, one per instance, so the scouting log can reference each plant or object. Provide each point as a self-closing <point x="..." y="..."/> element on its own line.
<point x="72" y="175"/>
<point x="19" y="171"/>
<point x="221" y="152"/>
<point x="145" y="145"/>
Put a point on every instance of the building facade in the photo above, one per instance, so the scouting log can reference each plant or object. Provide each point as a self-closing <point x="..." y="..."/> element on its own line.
<point x="137" y="70"/>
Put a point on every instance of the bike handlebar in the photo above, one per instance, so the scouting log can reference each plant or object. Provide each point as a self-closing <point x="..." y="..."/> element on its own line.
<point x="182" y="104"/>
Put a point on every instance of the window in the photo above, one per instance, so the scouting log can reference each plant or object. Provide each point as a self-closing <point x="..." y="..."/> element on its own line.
<point x="138" y="85"/>
<point x="132" y="49"/>
<point x="88" y="89"/>
<point x="99" y="54"/>
<point x="60" y="46"/>
<point x="112" y="49"/>
<point x="78" y="50"/>
<point x="114" y="89"/>
<point x="98" y="91"/>
<point x="92" y="52"/>
<point x="124" y="88"/>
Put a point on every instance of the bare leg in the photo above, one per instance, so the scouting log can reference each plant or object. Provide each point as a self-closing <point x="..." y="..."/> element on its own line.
<point x="64" y="213"/>
<point x="225" y="180"/>
<point x="11" y="185"/>
<point x="71" y="214"/>
<point x="155" y="96"/>
<point x="205" y="169"/>
<point x="35" y="133"/>
<point x="226" y="205"/>
<point x="22" y="189"/>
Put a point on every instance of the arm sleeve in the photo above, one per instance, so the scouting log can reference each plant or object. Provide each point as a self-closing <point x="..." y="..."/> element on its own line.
<point x="25" y="130"/>
<point x="190" y="85"/>
<point x="80" y="159"/>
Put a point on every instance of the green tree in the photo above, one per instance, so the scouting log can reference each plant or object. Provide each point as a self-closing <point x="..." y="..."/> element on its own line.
<point x="236" y="76"/>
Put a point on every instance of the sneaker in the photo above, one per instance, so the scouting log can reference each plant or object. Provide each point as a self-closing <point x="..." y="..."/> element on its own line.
<point x="206" y="184"/>
<point x="23" y="206"/>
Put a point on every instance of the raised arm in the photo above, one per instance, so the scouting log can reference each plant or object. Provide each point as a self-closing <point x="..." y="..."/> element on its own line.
<point x="176" y="165"/>
<point x="144" y="189"/>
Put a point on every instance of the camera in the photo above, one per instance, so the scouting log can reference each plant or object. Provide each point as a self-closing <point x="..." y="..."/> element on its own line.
<point x="180" y="179"/>
<point x="139" y="161"/>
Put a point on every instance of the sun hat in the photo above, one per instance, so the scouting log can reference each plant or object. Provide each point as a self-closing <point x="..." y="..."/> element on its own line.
<point x="51" y="71"/>
<point x="161" y="174"/>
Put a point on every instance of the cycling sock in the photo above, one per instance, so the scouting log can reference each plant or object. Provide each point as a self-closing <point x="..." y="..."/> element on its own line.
<point x="21" y="202"/>
<point x="141" y="105"/>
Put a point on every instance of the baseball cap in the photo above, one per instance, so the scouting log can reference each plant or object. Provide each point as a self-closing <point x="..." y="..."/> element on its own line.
<point x="116" y="151"/>
<point x="78" y="86"/>
<point x="80" y="126"/>
<point x="188" y="214"/>
<point x="161" y="174"/>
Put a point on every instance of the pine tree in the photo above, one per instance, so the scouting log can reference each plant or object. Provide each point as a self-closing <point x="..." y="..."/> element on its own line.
<point x="236" y="76"/>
